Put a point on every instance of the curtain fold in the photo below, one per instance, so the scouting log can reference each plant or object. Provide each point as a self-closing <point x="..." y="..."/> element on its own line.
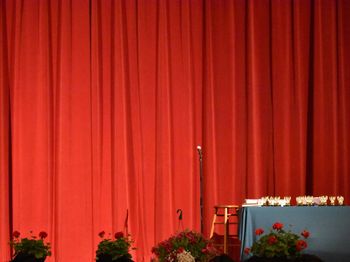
<point x="103" y="104"/>
<point x="5" y="140"/>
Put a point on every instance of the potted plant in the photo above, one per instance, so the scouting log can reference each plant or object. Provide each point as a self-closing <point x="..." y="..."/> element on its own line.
<point x="184" y="246"/>
<point x="117" y="249"/>
<point x="278" y="245"/>
<point x="30" y="249"/>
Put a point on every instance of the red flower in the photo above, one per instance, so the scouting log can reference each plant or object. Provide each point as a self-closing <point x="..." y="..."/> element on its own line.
<point x="101" y="234"/>
<point x="259" y="231"/>
<point x="155" y="251"/>
<point x="277" y="226"/>
<point x="182" y="235"/>
<point x="247" y="250"/>
<point x="43" y="235"/>
<point x="16" y="234"/>
<point x="301" y="244"/>
<point x="119" y="235"/>
<point x="168" y="246"/>
<point x="180" y="250"/>
<point x="305" y="234"/>
<point x="191" y="237"/>
<point x="272" y="240"/>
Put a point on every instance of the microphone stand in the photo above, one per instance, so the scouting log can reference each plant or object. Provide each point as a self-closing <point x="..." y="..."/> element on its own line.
<point x="199" y="149"/>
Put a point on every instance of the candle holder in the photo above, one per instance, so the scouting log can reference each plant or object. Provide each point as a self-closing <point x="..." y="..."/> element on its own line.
<point x="309" y="200"/>
<point x="271" y="201"/>
<point x="332" y="200"/>
<point x="287" y="200"/>
<point x="340" y="200"/>
<point x="264" y="201"/>
<point x="323" y="200"/>
<point x="277" y="201"/>
<point x="300" y="200"/>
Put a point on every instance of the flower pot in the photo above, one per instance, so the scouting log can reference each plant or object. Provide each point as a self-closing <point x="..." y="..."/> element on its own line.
<point x="108" y="258"/>
<point x="22" y="257"/>
<point x="222" y="258"/>
<point x="268" y="259"/>
<point x="302" y="258"/>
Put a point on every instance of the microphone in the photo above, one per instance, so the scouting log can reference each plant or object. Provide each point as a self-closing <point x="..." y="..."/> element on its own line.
<point x="199" y="149"/>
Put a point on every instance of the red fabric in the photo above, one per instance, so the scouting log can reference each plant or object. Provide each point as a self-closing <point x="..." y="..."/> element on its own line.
<point x="103" y="104"/>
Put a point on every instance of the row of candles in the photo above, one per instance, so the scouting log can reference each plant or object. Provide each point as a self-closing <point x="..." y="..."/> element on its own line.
<point x="321" y="200"/>
<point x="302" y="201"/>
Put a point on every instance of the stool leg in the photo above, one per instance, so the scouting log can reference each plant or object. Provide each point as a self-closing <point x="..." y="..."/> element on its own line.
<point x="225" y="229"/>
<point x="212" y="226"/>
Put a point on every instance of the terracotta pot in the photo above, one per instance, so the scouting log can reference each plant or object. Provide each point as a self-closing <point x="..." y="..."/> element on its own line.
<point x="21" y="257"/>
<point x="302" y="258"/>
<point x="108" y="258"/>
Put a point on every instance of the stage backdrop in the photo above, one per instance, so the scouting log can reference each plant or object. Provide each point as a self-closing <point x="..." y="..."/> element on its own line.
<point x="103" y="104"/>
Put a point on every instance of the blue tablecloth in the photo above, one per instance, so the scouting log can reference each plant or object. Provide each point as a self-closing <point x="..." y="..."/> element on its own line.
<point x="329" y="228"/>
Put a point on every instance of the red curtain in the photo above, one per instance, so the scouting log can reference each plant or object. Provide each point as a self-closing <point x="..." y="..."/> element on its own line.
<point x="103" y="104"/>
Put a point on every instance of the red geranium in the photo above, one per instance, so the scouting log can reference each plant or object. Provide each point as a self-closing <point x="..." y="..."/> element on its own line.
<point x="101" y="234"/>
<point x="272" y="240"/>
<point x="301" y="244"/>
<point x="16" y="234"/>
<point x="180" y="250"/>
<point x="277" y="226"/>
<point x="31" y="245"/>
<point x="259" y="231"/>
<point x="305" y="234"/>
<point x="118" y="247"/>
<point x="43" y="235"/>
<point x="119" y="235"/>
<point x="278" y="243"/>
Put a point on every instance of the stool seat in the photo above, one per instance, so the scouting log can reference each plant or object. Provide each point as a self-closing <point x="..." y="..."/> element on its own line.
<point x="226" y="206"/>
<point x="229" y="215"/>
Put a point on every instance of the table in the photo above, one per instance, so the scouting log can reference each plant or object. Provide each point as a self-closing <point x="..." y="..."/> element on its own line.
<point x="329" y="227"/>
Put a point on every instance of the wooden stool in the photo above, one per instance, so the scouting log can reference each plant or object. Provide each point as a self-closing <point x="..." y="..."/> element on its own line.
<point x="226" y="212"/>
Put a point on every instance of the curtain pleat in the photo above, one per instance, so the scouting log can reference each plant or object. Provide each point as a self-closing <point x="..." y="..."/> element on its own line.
<point x="5" y="137"/>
